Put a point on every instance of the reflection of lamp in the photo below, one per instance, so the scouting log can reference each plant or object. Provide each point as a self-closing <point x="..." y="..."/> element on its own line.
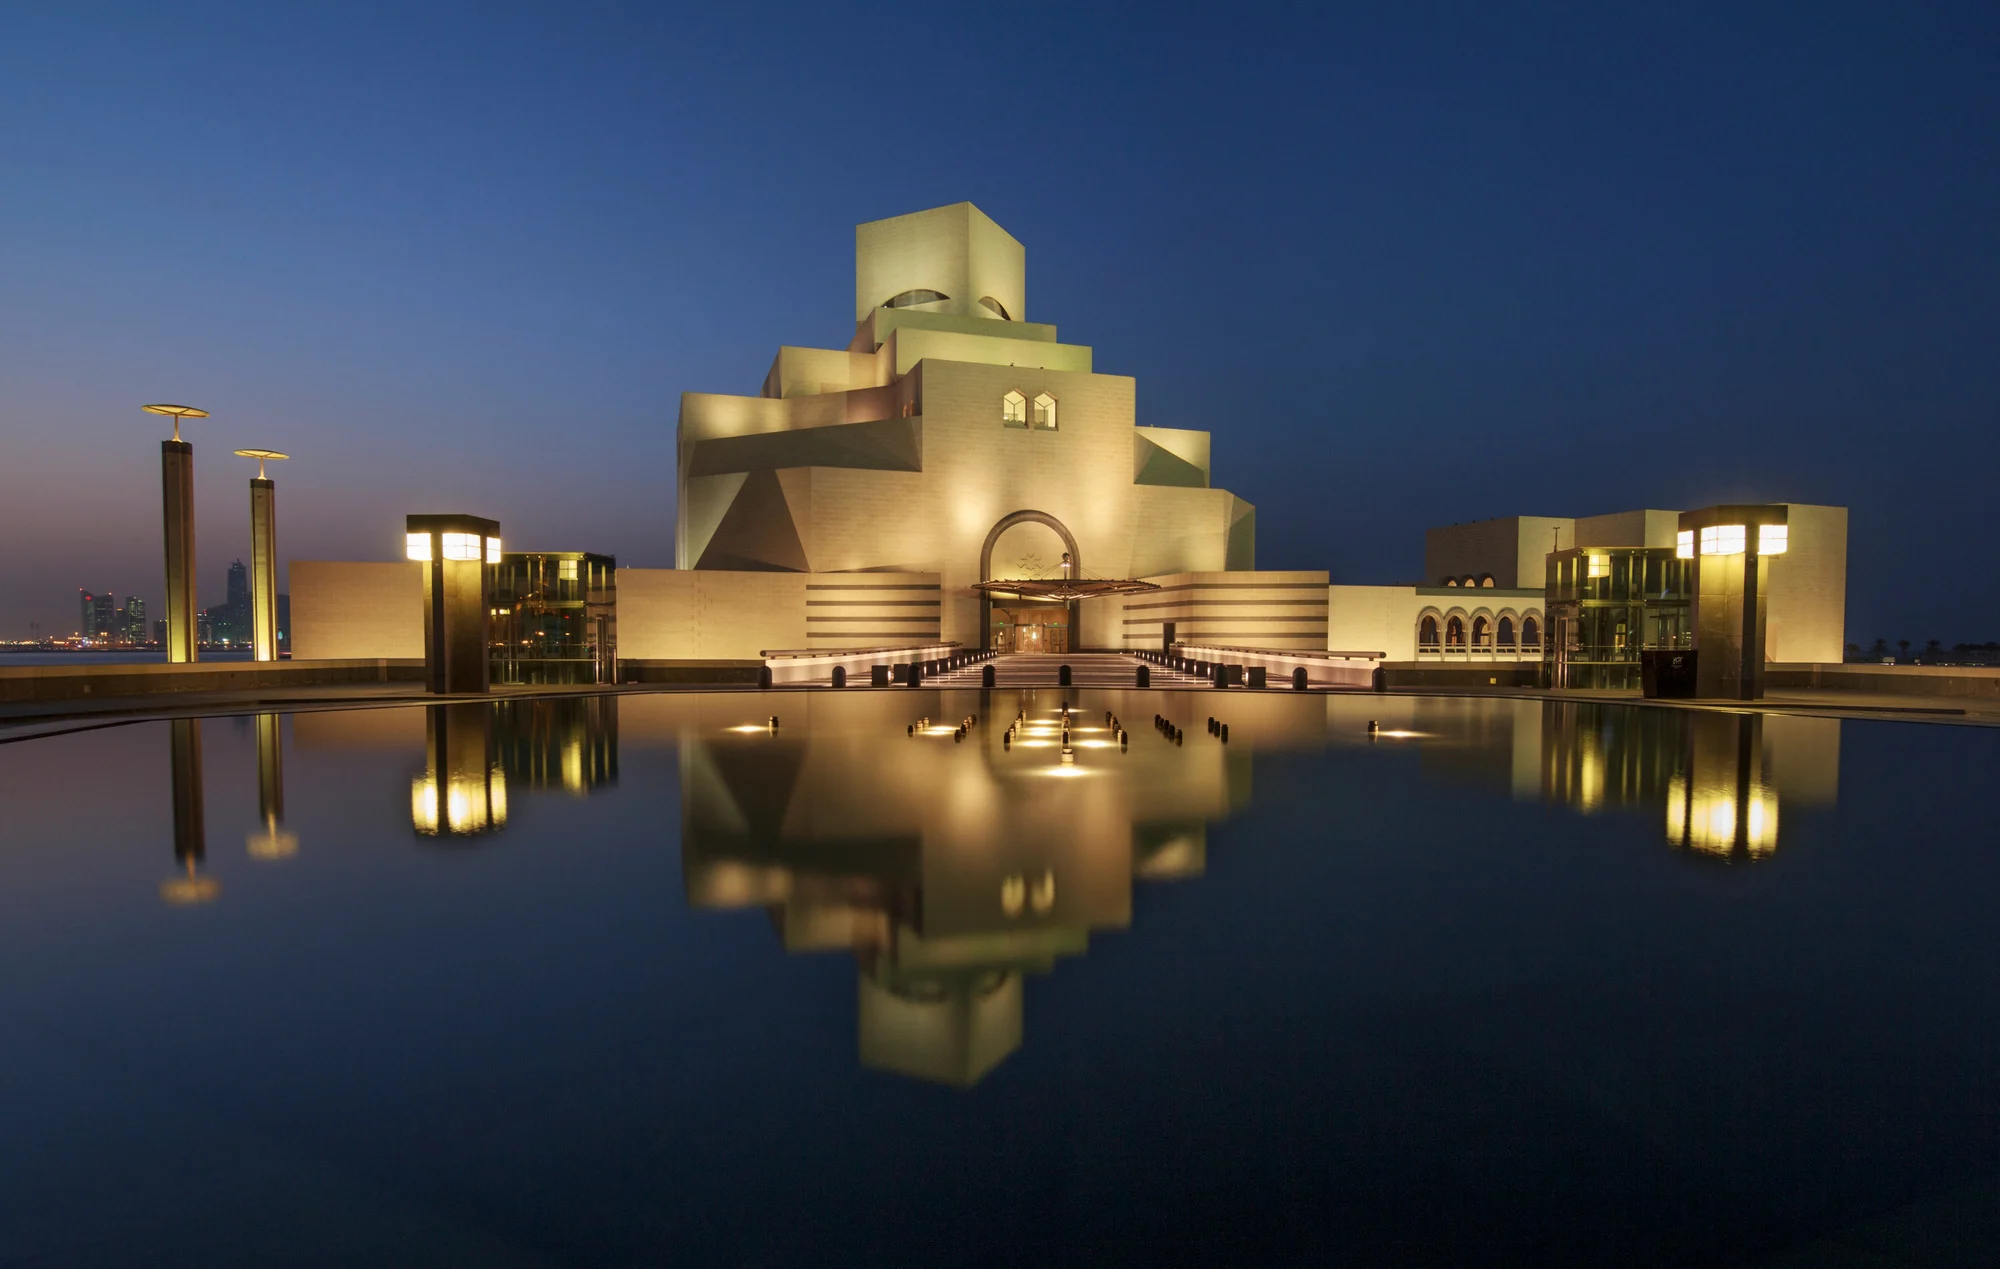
<point x="177" y="509"/>
<point x="272" y="841"/>
<point x="190" y="831"/>
<point x="263" y="557"/>
<point x="1719" y="802"/>
<point x="463" y="789"/>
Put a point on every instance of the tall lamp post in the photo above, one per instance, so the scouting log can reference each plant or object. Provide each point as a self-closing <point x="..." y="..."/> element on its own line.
<point x="177" y="506"/>
<point x="263" y="557"/>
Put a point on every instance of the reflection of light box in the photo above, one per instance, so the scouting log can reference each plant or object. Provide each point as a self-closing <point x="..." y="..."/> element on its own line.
<point x="455" y="551"/>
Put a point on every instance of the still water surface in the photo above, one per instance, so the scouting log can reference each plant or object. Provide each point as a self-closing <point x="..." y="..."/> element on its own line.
<point x="642" y="980"/>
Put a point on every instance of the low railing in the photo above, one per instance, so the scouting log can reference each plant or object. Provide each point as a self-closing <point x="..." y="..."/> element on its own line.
<point x="816" y="665"/>
<point x="1462" y="652"/>
<point x="1323" y="669"/>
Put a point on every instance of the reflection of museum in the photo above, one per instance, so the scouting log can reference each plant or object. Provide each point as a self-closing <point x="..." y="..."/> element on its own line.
<point x="947" y="869"/>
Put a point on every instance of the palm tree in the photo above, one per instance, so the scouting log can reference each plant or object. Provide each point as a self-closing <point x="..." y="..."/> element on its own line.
<point x="1903" y="646"/>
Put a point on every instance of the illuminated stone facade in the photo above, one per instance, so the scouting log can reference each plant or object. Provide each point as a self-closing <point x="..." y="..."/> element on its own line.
<point x="916" y="448"/>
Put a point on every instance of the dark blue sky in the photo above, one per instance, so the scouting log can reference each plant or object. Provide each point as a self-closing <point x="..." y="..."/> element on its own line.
<point x="1410" y="264"/>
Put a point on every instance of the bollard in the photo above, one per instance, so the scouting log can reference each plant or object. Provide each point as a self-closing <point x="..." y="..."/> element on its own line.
<point x="840" y="676"/>
<point x="1062" y="676"/>
<point x="1256" y="676"/>
<point x="1144" y="678"/>
<point x="1224" y="733"/>
<point x="1299" y="679"/>
<point x="878" y="676"/>
<point x="764" y="676"/>
<point x="913" y="674"/>
<point x="986" y="676"/>
<point x="1220" y="673"/>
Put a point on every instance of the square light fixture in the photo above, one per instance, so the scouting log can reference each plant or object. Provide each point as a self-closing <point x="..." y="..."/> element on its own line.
<point x="1773" y="538"/>
<point x="1600" y="565"/>
<point x="1684" y="545"/>
<point x="493" y="550"/>
<point x="461" y="546"/>
<point x="417" y="546"/>
<point x="1724" y="539"/>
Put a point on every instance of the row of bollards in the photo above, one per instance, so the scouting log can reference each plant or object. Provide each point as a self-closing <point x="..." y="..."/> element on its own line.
<point x="1219" y="730"/>
<point x="1167" y="729"/>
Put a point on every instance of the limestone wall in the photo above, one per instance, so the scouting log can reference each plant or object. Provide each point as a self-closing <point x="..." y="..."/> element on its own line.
<point x="343" y="609"/>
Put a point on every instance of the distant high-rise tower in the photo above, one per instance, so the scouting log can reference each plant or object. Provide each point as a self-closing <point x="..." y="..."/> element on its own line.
<point x="133" y="627"/>
<point x="99" y="618"/>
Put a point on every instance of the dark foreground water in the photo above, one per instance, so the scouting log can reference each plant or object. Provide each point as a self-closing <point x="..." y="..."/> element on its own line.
<point x="641" y="981"/>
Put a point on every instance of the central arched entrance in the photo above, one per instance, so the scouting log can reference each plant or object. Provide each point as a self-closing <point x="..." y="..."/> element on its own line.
<point x="1006" y="626"/>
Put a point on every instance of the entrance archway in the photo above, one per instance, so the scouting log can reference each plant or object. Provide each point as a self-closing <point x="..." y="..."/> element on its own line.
<point x="1006" y="522"/>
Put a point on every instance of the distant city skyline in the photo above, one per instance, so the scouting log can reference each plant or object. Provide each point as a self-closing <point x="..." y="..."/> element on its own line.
<point x="468" y="262"/>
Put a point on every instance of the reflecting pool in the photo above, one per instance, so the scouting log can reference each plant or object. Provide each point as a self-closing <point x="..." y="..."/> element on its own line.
<point x="941" y="977"/>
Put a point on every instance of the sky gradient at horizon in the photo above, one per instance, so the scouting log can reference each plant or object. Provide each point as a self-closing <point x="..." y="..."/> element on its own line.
<point x="1409" y="269"/>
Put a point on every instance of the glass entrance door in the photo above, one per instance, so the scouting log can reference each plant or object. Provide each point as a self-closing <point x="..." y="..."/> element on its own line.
<point x="1031" y="628"/>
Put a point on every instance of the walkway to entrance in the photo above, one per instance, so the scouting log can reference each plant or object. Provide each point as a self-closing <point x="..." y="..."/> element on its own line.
<point x="1087" y="669"/>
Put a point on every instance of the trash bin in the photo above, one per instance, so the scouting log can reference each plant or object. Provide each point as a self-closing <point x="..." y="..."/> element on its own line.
<point x="1667" y="673"/>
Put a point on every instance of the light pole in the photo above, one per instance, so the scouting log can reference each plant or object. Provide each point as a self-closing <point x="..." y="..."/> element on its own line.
<point x="177" y="507"/>
<point x="263" y="557"/>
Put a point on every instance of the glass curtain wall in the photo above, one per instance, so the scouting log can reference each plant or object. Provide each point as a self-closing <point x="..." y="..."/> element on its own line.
<point x="555" y="618"/>
<point x="1606" y="605"/>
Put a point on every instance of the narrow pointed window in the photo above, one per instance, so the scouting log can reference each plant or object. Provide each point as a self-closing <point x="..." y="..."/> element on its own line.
<point x="1014" y="410"/>
<point x="1045" y="412"/>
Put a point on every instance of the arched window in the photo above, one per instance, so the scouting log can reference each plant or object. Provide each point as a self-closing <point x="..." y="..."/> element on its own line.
<point x="1486" y="580"/>
<point x="1506" y="628"/>
<point x="1451" y="582"/>
<point x="1045" y="411"/>
<point x="909" y="299"/>
<point x="1427" y="632"/>
<point x="1482" y="633"/>
<point x="1454" y="632"/>
<point x="998" y="309"/>
<point x="1470" y="580"/>
<point x="1531" y="633"/>
<point x="1014" y="409"/>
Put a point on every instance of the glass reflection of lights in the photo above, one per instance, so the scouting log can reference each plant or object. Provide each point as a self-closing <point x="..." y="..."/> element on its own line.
<point x="1715" y="822"/>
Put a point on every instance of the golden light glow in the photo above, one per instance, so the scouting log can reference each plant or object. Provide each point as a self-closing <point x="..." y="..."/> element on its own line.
<point x="272" y="842"/>
<point x="417" y="546"/>
<point x="461" y="546"/>
<point x="493" y="550"/>
<point x="1710" y="821"/>
<point x="1684" y="545"/>
<point x="1724" y="539"/>
<point x="1600" y="565"/>
<point x="1772" y="539"/>
<point x="189" y="889"/>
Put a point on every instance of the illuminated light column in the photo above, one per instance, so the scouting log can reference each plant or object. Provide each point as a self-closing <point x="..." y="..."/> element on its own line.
<point x="263" y="557"/>
<point x="456" y="551"/>
<point x="177" y="504"/>
<point x="1728" y="547"/>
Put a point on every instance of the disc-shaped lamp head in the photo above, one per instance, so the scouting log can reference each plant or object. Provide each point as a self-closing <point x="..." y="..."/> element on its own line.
<point x="262" y="456"/>
<point x="177" y="413"/>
